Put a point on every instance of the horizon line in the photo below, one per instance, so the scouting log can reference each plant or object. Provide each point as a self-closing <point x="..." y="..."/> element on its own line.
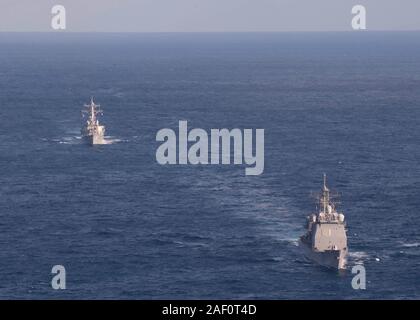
<point x="189" y="32"/>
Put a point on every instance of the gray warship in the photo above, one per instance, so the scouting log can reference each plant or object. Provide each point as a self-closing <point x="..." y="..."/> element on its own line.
<point x="92" y="131"/>
<point x="325" y="241"/>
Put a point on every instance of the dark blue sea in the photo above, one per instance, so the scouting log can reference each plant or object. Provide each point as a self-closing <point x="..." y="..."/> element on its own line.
<point x="125" y="227"/>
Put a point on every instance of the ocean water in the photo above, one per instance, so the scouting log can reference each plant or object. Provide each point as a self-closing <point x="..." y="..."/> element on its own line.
<point x="125" y="227"/>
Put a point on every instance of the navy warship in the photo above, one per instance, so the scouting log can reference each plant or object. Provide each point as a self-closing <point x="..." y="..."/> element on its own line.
<point x="325" y="241"/>
<point x="92" y="131"/>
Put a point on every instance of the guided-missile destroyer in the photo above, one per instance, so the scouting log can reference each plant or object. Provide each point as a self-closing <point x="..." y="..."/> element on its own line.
<point x="325" y="241"/>
<point x="92" y="131"/>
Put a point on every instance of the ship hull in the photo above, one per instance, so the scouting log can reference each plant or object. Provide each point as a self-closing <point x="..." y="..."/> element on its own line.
<point x="335" y="259"/>
<point x="94" y="139"/>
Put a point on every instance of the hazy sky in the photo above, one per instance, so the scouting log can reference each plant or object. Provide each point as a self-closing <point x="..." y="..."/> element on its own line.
<point x="208" y="15"/>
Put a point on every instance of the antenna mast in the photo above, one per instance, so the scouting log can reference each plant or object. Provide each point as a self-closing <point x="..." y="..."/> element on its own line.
<point x="325" y="200"/>
<point x="94" y="110"/>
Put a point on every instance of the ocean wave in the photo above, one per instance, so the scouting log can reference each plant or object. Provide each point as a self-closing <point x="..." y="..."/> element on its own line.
<point x="79" y="140"/>
<point x="292" y="241"/>
<point x="63" y="140"/>
<point x="112" y="140"/>
<point x="410" y="245"/>
<point x="358" y="257"/>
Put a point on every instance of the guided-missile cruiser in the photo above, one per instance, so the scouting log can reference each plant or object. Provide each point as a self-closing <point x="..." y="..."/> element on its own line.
<point x="325" y="241"/>
<point x="92" y="131"/>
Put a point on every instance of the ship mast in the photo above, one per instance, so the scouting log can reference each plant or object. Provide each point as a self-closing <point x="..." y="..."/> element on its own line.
<point x="94" y="109"/>
<point x="325" y="199"/>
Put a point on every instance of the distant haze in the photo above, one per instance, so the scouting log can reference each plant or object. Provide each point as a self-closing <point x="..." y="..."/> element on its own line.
<point x="208" y="15"/>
